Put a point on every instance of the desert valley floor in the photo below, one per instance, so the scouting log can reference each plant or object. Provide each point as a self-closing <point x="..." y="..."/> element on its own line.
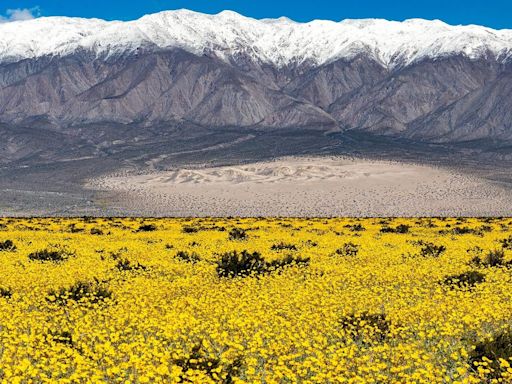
<point x="311" y="186"/>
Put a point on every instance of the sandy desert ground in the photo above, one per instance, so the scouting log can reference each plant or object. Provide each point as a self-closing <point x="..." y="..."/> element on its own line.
<point x="315" y="186"/>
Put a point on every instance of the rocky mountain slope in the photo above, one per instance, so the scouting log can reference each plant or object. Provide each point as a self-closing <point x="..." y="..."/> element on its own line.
<point x="417" y="79"/>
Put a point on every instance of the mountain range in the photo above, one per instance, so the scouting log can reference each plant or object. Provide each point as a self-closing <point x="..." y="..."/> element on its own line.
<point x="417" y="79"/>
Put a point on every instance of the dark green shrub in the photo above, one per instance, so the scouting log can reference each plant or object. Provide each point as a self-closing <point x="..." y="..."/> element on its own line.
<point x="196" y="361"/>
<point x="283" y="246"/>
<point x="355" y="227"/>
<point x="127" y="265"/>
<point x="348" y="249"/>
<point x="498" y="347"/>
<point x="7" y="245"/>
<point x="402" y="228"/>
<point x="431" y="250"/>
<point x="464" y="231"/>
<point x="188" y="257"/>
<point x="366" y="326"/>
<point x="61" y="337"/>
<point x="237" y="234"/>
<point x="233" y="264"/>
<point x="494" y="258"/>
<point x="81" y="292"/>
<point x="54" y="254"/>
<point x="73" y="228"/>
<point x="6" y="293"/>
<point x="287" y="261"/>
<point x="147" y="228"/>
<point x="243" y="263"/>
<point x="96" y="231"/>
<point x="467" y="279"/>
<point x="506" y="243"/>
<point x="189" y="229"/>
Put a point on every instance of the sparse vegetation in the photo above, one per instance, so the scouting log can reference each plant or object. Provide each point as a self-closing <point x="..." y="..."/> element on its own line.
<point x="494" y="258"/>
<point x="81" y="292"/>
<point x="188" y="257"/>
<point x="491" y="353"/>
<point x="283" y="246"/>
<point x="237" y="234"/>
<point x="235" y="264"/>
<point x="369" y="326"/>
<point x="7" y="246"/>
<point x="127" y="265"/>
<point x="147" y="228"/>
<point x="465" y="280"/>
<point x="54" y="254"/>
<point x="431" y="250"/>
<point x="401" y="228"/>
<point x="348" y="249"/>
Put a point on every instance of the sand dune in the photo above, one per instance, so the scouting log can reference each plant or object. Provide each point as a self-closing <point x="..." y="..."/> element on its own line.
<point x="307" y="187"/>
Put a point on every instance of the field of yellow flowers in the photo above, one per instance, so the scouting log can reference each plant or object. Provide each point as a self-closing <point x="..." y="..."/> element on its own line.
<point x="255" y="300"/>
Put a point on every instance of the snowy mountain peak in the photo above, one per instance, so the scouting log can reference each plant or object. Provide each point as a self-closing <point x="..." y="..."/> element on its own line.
<point x="275" y="41"/>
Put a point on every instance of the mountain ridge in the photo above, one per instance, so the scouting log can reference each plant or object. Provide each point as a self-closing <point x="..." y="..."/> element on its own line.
<point x="177" y="69"/>
<point x="279" y="42"/>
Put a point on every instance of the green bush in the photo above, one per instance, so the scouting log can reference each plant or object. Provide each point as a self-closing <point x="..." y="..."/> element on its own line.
<point x="147" y="228"/>
<point x="495" y="258"/>
<point x="495" y="348"/>
<point x="81" y="292"/>
<point x="54" y="254"/>
<point x="431" y="250"/>
<point x="233" y="264"/>
<point x="237" y="234"/>
<point x="355" y="227"/>
<point x="7" y="245"/>
<point x="348" y="249"/>
<point x="283" y="246"/>
<point x="506" y="243"/>
<point x="197" y="361"/>
<point x="6" y="293"/>
<point x="96" y="231"/>
<point x="188" y="257"/>
<point x="366" y="326"/>
<point x="466" y="279"/>
<point x="402" y="228"/>
<point x="61" y="337"/>
<point x="189" y="229"/>
<point x="127" y="265"/>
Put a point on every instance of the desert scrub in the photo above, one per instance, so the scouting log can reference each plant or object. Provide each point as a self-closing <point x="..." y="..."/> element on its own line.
<point x="234" y="264"/>
<point x="188" y="257"/>
<point x="80" y="292"/>
<point x="401" y="228"/>
<point x="494" y="258"/>
<point x="492" y="357"/>
<point x="467" y="279"/>
<point x="430" y="249"/>
<point x="7" y="246"/>
<point x="348" y="249"/>
<point x="283" y="246"/>
<point x="366" y="327"/>
<point x="237" y="234"/>
<point x="146" y="228"/>
<point x="54" y="253"/>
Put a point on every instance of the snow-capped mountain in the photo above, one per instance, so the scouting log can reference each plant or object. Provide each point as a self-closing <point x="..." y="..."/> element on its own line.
<point x="417" y="79"/>
<point x="278" y="42"/>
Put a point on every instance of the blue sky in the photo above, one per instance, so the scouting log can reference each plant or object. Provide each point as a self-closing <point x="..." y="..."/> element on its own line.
<point x="493" y="13"/>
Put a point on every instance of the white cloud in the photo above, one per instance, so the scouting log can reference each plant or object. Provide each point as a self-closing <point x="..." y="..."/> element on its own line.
<point x="19" y="14"/>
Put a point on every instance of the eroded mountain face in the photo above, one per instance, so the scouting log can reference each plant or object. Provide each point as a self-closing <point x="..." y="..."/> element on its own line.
<point x="420" y="80"/>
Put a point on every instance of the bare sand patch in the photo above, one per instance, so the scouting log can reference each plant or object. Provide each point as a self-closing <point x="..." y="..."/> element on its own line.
<point x="320" y="186"/>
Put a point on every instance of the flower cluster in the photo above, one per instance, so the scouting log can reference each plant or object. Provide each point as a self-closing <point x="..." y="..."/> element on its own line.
<point x="317" y="300"/>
